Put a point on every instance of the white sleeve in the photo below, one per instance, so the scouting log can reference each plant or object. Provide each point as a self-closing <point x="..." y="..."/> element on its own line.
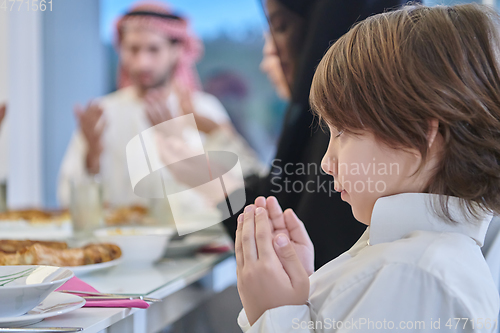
<point x="72" y="167"/>
<point x="278" y="320"/>
<point x="398" y="297"/>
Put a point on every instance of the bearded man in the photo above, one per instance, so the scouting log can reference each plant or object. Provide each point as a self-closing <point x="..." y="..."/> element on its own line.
<point x="158" y="82"/>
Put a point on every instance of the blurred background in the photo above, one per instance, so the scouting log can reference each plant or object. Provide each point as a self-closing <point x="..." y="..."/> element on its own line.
<point x="51" y="60"/>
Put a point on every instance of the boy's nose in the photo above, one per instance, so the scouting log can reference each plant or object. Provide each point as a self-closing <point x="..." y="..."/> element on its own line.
<point x="329" y="165"/>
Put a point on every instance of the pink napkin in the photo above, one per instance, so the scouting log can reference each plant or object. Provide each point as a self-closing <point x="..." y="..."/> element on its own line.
<point x="215" y="248"/>
<point x="76" y="284"/>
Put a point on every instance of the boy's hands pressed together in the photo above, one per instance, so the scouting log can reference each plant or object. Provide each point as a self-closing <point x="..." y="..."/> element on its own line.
<point x="270" y="274"/>
<point x="289" y="224"/>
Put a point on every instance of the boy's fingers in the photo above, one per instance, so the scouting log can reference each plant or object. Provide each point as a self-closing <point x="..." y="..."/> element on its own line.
<point x="275" y="213"/>
<point x="263" y="234"/>
<point x="292" y="221"/>
<point x="289" y="259"/>
<point x="260" y="202"/>
<point x="238" y="248"/>
<point x="248" y="234"/>
<point x="295" y="227"/>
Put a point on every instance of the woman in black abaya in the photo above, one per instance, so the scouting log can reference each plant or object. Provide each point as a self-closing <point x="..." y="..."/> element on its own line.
<point x="302" y="31"/>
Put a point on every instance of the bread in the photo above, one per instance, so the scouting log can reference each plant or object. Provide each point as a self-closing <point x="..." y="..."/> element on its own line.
<point x="12" y="246"/>
<point x="34" y="215"/>
<point x="45" y="253"/>
<point x="126" y="215"/>
<point x="38" y="254"/>
<point x="7" y="259"/>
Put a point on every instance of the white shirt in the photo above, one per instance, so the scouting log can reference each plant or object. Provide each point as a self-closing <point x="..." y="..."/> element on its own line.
<point x="126" y="118"/>
<point x="410" y="271"/>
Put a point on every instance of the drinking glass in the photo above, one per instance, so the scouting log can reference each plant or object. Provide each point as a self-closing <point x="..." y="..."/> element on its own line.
<point x="86" y="207"/>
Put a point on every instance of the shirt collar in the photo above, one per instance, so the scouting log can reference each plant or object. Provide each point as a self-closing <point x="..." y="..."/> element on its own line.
<point x="396" y="216"/>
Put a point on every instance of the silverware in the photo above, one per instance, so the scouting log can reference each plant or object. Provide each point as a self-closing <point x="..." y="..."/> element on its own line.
<point x="113" y="296"/>
<point x="42" y="329"/>
<point x="110" y="298"/>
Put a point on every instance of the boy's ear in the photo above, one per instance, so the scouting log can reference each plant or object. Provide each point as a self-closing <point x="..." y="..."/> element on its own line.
<point x="432" y="131"/>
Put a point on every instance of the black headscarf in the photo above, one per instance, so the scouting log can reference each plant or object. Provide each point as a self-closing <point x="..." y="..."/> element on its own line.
<point x="329" y="220"/>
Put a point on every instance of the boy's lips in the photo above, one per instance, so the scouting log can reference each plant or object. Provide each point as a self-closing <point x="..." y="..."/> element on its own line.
<point x="338" y="189"/>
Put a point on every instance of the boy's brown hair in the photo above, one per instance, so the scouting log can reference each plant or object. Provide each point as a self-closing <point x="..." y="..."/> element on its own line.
<point x="393" y="72"/>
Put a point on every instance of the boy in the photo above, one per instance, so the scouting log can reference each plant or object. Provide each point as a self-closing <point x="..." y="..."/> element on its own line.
<point x="412" y="102"/>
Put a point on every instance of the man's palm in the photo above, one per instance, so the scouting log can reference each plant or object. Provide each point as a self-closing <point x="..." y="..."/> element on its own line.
<point x="88" y="119"/>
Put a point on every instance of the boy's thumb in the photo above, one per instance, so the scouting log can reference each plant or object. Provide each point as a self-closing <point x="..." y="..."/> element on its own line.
<point x="289" y="259"/>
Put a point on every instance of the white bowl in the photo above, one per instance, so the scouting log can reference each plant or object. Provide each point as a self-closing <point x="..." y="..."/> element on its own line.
<point x="139" y="245"/>
<point x="23" y="287"/>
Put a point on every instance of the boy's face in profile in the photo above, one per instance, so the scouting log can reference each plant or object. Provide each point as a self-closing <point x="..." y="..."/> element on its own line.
<point x="366" y="169"/>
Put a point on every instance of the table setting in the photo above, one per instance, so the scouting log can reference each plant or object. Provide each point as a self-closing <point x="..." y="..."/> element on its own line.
<point x="125" y="266"/>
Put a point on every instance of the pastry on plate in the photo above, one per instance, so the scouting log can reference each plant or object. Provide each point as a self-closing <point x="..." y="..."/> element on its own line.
<point x="44" y="253"/>
<point x="12" y="246"/>
<point x="35" y="216"/>
<point x="126" y="215"/>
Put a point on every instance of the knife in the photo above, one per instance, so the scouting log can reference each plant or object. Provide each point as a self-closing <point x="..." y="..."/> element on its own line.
<point x="117" y="296"/>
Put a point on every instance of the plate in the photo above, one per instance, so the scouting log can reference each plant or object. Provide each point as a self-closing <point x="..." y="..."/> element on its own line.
<point x="189" y="245"/>
<point x="59" y="230"/>
<point x="86" y="269"/>
<point x="23" y="287"/>
<point x="55" y="304"/>
<point x="139" y="244"/>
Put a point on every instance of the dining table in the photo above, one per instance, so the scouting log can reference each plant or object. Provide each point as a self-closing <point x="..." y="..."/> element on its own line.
<point x="181" y="283"/>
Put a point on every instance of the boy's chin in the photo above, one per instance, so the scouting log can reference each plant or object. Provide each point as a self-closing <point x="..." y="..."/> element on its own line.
<point x="360" y="215"/>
